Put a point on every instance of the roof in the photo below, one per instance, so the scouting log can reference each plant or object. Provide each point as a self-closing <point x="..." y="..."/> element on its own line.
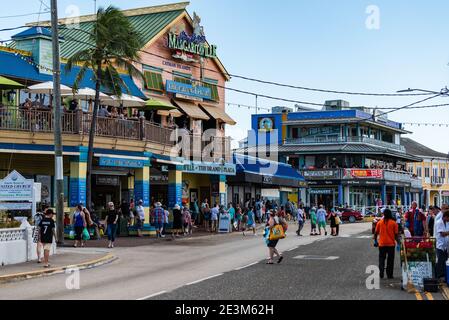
<point x="264" y="167"/>
<point x="191" y="109"/>
<point x="149" y="22"/>
<point x="13" y="66"/>
<point x="344" y="148"/>
<point x="34" y="31"/>
<point x="420" y="150"/>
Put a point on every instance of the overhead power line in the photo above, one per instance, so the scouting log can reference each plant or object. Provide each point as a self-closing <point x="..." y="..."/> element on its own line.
<point x="24" y="15"/>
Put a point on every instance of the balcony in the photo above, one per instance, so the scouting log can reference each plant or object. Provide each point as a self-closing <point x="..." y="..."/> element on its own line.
<point x="342" y="140"/>
<point x="78" y="123"/>
<point x="362" y="174"/>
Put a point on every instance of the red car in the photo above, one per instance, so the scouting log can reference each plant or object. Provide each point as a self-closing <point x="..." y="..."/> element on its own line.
<point x="350" y="215"/>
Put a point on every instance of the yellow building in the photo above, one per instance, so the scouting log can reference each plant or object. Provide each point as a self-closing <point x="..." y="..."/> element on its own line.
<point x="433" y="170"/>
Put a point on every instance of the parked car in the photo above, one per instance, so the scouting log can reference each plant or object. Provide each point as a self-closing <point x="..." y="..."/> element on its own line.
<point x="351" y="215"/>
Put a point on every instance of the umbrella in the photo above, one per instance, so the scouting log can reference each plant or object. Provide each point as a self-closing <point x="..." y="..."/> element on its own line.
<point x="47" y="88"/>
<point x="154" y="104"/>
<point x="87" y="94"/>
<point x="126" y="101"/>
<point x="6" y="83"/>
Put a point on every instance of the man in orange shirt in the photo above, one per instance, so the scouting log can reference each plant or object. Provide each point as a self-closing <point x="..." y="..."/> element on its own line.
<point x="388" y="232"/>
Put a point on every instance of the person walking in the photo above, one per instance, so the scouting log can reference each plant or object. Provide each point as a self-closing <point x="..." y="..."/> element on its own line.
<point x="415" y="221"/>
<point x="239" y="218"/>
<point x="333" y="221"/>
<point x="442" y="237"/>
<point x="195" y="213"/>
<point x="166" y="221"/>
<point x="177" y="221"/>
<point x="159" y="217"/>
<point x="214" y="217"/>
<point x="79" y="223"/>
<point x="231" y="212"/>
<point x="250" y="222"/>
<point x="313" y="222"/>
<point x="187" y="221"/>
<point x="271" y="244"/>
<point x="321" y="219"/>
<point x="388" y="233"/>
<point x="140" y="210"/>
<point x="90" y="224"/>
<point x="47" y="232"/>
<point x="111" y="224"/>
<point x="258" y="208"/>
<point x="205" y="209"/>
<point x="433" y="211"/>
<point x="300" y="216"/>
<point x="37" y="220"/>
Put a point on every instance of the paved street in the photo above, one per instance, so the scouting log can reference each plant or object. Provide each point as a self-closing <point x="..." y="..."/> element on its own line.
<point x="180" y="269"/>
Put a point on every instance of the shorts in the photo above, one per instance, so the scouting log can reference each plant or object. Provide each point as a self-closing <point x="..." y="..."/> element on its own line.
<point x="158" y="226"/>
<point x="47" y="246"/>
<point x="79" y="233"/>
<point x="313" y="226"/>
<point x="272" y="243"/>
<point x="322" y="224"/>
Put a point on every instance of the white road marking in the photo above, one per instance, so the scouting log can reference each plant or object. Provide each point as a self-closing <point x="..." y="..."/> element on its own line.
<point x="152" y="295"/>
<point x="204" y="279"/>
<point x="364" y="237"/>
<point x="316" y="257"/>
<point x="247" y="266"/>
<point x="293" y="249"/>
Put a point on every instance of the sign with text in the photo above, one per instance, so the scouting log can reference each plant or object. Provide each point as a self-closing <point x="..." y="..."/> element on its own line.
<point x="108" y="181"/>
<point x="363" y="173"/>
<point x="121" y="163"/>
<point x="188" y="90"/>
<point x="320" y="174"/>
<point x="16" y="188"/>
<point x="210" y="168"/>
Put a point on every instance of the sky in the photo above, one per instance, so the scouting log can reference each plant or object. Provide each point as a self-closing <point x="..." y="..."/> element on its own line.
<point x="326" y="44"/>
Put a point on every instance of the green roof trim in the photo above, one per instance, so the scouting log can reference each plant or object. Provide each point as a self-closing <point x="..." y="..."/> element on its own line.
<point x="148" y="25"/>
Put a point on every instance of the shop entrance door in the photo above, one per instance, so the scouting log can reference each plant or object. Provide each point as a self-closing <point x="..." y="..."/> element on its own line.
<point x="205" y="194"/>
<point x="106" y="189"/>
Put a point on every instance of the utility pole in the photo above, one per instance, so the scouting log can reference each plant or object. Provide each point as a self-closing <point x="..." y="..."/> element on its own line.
<point x="59" y="175"/>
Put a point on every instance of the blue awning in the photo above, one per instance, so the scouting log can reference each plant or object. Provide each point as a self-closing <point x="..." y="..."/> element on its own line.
<point x="13" y="65"/>
<point x="248" y="164"/>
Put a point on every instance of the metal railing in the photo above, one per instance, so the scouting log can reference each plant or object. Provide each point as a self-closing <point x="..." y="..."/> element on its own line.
<point x="339" y="139"/>
<point x="439" y="181"/>
<point x="41" y="120"/>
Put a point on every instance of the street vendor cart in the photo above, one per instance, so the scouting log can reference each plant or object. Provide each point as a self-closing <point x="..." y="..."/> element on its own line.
<point x="418" y="258"/>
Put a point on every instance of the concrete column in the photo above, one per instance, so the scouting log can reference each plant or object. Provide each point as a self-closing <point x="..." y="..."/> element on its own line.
<point x="223" y="190"/>
<point x="421" y="198"/>
<point x="78" y="173"/>
<point x="395" y="192"/>
<point x="142" y="188"/>
<point x="427" y="198"/>
<point x="340" y="195"/>
<point x="174" y="187"/>
<point x="347" y="197"/>
<point x="383" y="194"/>
<point x="403" y="199"/>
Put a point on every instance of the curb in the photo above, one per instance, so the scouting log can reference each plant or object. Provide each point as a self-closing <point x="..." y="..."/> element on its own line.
<point x="48" y="272"/>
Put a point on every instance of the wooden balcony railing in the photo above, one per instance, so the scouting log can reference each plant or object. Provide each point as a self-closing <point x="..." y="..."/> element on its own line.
<point x="41" y="120"/>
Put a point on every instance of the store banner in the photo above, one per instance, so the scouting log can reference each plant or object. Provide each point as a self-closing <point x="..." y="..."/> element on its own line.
<point x="364" y="174"/>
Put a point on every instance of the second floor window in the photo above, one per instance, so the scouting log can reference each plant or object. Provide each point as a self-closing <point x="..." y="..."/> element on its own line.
<point x="182" y="77"/>
<point x="443" y="173"/>
<point x="213" y="86"/>
<point x="427" y="172"/>
<point x="419" y="172"/>
<point x="153" y="81"/>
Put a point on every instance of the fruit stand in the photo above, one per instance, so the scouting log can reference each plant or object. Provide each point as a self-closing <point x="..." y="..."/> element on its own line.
<point x="418" y="258"/>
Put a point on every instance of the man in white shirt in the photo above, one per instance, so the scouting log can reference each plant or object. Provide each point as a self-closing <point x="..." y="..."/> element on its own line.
<point x="141" y="218"/>
<point x="442" y="237"/>
<point x="438" y="216"/>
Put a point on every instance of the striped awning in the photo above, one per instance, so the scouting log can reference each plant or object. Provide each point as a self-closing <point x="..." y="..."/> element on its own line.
<point x="191" y="109"/>
<point x="218" y="113"/>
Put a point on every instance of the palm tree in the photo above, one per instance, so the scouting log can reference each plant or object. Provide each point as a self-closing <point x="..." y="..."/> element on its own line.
<point x="117" y="45"/>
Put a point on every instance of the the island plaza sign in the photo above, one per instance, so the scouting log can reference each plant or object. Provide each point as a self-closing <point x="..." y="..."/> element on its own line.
<point x="188" y="45"/>
<point x="16" y="188"/>
<point x="210" y="168"/>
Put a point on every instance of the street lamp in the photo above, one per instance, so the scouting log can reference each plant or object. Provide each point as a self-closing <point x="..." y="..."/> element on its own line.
<point x="444" y="91"/>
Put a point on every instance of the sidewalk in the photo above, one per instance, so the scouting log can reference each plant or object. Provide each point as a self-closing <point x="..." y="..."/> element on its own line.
<point x="64" y="259"/>
<point x="131" y="242"/>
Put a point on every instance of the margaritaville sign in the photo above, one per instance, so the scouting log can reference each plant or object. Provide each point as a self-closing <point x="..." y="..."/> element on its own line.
<point x="192" y="44"/>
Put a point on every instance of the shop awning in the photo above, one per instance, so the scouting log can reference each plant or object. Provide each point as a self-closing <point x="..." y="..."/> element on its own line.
<point x="6" y="83"/>
<point x="218" y="113"/>
<point x="191" y="109"/>
<point x="175" y="113"/>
